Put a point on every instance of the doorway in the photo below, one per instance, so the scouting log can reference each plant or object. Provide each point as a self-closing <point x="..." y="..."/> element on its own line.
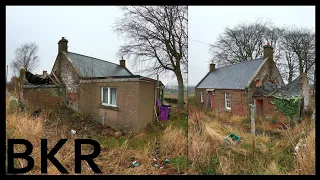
<point x="259" y="107"/>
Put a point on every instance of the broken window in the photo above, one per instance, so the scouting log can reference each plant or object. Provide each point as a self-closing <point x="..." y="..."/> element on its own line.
<point x="227" y="101"/>
<point x="109" y="96"/>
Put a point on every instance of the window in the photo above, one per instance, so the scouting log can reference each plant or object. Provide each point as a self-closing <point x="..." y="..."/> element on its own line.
<point x="227" y="101"/>
<point x="201" y="96"/>
<point x="109" y="96"/>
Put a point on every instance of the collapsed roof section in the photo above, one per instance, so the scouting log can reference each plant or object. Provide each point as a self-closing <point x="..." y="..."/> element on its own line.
<point x="267" y="89"/>
<point x="290" y="90"/>
<point x="33" y="81"/>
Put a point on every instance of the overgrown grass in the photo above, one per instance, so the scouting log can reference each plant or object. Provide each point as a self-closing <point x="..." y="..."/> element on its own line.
<point x="117" y="153"/>
<point x="273" y="153"/>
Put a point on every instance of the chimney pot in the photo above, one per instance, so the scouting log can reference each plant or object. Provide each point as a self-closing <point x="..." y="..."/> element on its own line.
<point x="268" y="51"/>
<point x="63" y="45"/>
<point x="212" y="67"/>
<point x="122" y="62"/>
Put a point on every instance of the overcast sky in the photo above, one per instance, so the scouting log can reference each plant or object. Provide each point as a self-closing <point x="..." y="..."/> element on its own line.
<point x="205" y="23"/>
<point x="89" y="30"/>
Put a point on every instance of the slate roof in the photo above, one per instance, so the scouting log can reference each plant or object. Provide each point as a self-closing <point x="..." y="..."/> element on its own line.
<point x="235" y="76"/>
<point x="290" y="90"/>
<point x="267" y="89"/>
<point x="93" y="67"/>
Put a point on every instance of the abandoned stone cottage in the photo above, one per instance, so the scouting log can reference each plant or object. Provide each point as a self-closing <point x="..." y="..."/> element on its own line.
<point x="234" y="87"/>
<point x="108" y="92"/>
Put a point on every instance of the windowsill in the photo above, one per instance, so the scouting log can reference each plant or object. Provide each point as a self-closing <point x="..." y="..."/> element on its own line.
<point x="228" y="110"/>
<point x="109" y="107"/>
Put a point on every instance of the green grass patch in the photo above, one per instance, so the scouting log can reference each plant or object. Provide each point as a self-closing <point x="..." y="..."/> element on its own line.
<point x="210" y="171"/>
<point x="180" y="163"/>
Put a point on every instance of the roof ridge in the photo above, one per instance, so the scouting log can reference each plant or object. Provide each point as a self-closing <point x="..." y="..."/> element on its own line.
<point x="94" y="58"/>
<point x="239" y="63"/>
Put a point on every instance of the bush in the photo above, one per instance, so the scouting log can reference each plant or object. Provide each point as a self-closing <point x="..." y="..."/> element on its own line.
<point x="192" y="101"/>
<point x="171" y="100"/>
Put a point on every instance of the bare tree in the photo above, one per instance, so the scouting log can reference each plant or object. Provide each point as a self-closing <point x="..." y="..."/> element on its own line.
<point x="288" y="60"/>
<point x="25" y="57"/>
<point x="301" y="42"/>
<point x="156" y="37"/>
<point x="243" y="42"/>
<point x="294" y="48"/>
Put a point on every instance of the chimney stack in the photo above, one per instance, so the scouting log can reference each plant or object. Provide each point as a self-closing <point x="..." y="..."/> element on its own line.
<point x="122" y="62"/>
<point x="63" y="45"/>
<point x="268" y="51"/>
<point x="212" y="67"/>
<point x="44" y="73"/>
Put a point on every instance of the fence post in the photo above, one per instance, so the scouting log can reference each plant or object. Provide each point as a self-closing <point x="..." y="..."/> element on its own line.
<point x="253" y="128"/>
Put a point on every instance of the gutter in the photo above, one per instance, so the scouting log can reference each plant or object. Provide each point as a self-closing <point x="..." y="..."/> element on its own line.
<point x="82" y="81"/>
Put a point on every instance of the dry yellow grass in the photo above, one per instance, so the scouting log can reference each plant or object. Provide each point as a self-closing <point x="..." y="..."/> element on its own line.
<point x="173" y="142"/>
<point x="305" y="159"/>
<point x="273" y="154"/>
<point x="112" y="160"/>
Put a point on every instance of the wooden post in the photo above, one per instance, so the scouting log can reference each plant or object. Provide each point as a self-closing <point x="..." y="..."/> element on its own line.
<point x="253" y="127"/>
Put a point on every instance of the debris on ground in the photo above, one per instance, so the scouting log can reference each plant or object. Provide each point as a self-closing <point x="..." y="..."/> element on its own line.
<point x="117" y="134"/>
<point x="160" y="164"/>
<point x="88" y="166"/>
<point x="301" y="146"/>
<point x="35" y="114"/>
<point x="135" y="164"/>
<point x="231" y="139"/>
<point x="73" y="132"/>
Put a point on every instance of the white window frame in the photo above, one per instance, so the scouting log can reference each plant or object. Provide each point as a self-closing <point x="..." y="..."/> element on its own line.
<point x="226" y="100"/>
<point x="109" y="94"/>
<point x="201" y="96"/>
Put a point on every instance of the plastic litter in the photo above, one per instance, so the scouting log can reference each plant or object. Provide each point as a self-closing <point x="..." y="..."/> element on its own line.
<point x="73" y="132"/>
<point x="166" y="160"/>
<point x="89" y="168"/>
<point x="155" y="165"/>
<point x="135" y="163"/>
<point x="231" y="138"/>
